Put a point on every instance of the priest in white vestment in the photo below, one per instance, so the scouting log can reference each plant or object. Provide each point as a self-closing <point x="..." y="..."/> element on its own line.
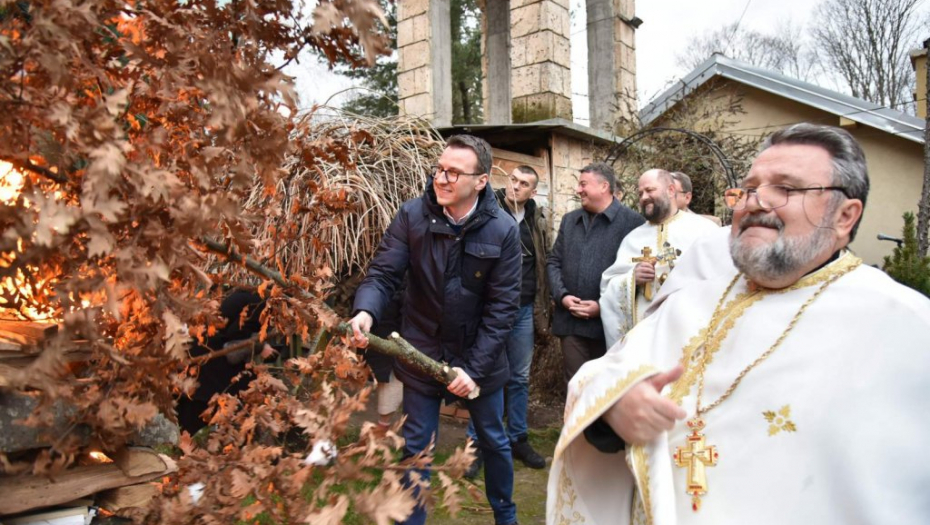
<point x="792" y="388"/>
<point x="647" y="254"/>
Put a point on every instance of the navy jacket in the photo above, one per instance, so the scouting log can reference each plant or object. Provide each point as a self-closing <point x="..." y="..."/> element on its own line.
<point x="463" y="289"/>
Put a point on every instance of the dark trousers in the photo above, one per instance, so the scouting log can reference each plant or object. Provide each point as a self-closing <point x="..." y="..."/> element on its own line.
<point x="487" y="411"/>
<point x="578" y="350"/>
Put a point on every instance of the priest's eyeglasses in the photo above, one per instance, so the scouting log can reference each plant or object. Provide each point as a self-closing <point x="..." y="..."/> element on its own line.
<point x="769" y="196"/>
<point x="451" y="175"/>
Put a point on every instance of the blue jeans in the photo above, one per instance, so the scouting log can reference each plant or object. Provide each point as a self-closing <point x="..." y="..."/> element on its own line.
<point x="520" y="355"/>
<point x="487" y="411"/>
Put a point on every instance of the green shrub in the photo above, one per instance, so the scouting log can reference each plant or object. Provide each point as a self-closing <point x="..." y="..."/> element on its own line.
<point x="905" y="264"/>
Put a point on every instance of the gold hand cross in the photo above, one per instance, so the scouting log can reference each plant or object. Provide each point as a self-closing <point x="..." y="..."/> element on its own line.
<point x="647" y="258"/>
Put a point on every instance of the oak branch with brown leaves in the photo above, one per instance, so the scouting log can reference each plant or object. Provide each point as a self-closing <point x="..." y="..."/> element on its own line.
<point x="132" y="131"/>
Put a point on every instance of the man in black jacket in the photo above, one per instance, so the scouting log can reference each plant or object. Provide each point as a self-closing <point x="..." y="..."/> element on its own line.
<point x="461" y="253"/>
<point x="586" y="246"/>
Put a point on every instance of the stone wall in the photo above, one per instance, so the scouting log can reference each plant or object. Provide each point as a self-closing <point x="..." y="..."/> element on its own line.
<point x="569" y="155"/>
<point x="424" y="71"/>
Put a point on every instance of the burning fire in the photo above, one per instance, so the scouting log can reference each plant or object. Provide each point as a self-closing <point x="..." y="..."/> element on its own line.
<point x="17" y="286"/>
<point x="26" y="299"/>
<point x="99" y="457"/>
<point x="11" y="183"/>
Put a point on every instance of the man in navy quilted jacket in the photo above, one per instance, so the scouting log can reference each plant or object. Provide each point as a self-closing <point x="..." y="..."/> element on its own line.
<point x="461" y="254"/>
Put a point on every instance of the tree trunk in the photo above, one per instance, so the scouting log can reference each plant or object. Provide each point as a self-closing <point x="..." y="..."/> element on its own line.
<point x="923" y="207"/>
<point x="466" y="103"/>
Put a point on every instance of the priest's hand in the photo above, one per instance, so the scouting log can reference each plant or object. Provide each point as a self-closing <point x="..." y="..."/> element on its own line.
<point x="462" y="385"/>
<point x="642" y="413"/>
<point x="361" y="323"/>
<point x="644" y="272"/>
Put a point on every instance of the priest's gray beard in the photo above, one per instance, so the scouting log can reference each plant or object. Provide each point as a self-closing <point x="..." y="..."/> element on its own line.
<point x="785" y="255"/>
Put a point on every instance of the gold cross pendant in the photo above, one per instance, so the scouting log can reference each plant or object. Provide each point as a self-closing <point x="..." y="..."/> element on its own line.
<point x="696" y="456"/>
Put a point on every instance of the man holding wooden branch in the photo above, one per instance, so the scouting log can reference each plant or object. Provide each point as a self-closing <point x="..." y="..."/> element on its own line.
<point x="461" y="253"/>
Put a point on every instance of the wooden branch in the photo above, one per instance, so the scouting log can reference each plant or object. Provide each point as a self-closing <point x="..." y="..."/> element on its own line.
<point x="38" y="170"/>
<point x="398" y="348"/>
<point x="226" y="350"/>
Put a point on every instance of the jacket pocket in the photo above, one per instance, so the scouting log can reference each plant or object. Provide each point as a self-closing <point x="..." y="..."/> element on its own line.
<point x="478" y="261"/>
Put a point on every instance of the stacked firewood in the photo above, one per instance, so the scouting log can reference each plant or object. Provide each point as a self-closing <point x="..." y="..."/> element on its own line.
<point x="117" y="483"/>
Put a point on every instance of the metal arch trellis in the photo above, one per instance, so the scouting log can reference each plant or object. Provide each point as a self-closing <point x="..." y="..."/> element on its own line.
<point x="617" y="151"/>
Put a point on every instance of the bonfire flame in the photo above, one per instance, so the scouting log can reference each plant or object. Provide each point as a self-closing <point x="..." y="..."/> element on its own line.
<point x="19" y="293"/>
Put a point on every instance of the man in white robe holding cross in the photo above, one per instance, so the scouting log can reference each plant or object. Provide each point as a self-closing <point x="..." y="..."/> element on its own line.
<point x="647" y="254"/>
<point x="792" y="388"/>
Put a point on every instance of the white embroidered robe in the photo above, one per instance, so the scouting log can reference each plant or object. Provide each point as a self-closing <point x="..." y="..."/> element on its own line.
<point x="622" y="301"/>
<point x="832" y="428"/>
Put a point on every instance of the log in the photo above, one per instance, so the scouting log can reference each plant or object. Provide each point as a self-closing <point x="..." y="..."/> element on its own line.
<point x="128" y="497"/>
<point x="32" y="331"/>
<point x="139" y="461"/>
<point x="22" y="493"/>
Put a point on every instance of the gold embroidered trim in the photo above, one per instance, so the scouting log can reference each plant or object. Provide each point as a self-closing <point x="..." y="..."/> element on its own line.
<point x="662" y="233"/>
<point x="694" y="362"/>
<point x="600" y="404"/>
<point x="638" y="512"/>
<point x="632" y="316"/>
<point x="566" y="500"/>
<point x="640" y="469"/>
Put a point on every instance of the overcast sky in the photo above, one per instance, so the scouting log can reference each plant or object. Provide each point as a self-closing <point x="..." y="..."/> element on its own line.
<point x="667" y="24"/>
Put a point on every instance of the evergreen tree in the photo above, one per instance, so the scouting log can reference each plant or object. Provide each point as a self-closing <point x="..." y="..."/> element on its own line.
<point x="905" y="265"/>
<point x="381" y="94"/>
<point x="379" y="99"/>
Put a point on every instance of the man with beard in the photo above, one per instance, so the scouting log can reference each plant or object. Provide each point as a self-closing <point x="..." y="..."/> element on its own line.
<point x="647" y="254"/>
<point x="789" y="389"/>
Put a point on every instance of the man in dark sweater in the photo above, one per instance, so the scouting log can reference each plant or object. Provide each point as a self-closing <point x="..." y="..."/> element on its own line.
<point x="586" y="245"/>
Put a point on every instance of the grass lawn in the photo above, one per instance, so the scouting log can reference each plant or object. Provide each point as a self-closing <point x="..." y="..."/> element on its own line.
<point x="529" y="489"/>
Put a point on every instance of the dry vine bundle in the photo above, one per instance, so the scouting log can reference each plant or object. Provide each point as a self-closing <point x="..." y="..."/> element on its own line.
<point x="380" y="163"/>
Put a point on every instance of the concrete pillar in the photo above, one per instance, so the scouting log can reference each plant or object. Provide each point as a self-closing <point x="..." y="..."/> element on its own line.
<point x="611" y="61"/>
<point x="424" y="63"/>
<point x="495" y="61"/>
<point x="541" y="85"/>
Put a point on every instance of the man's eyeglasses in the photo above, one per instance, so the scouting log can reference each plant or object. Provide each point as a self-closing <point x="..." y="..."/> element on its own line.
<point x="451" y="175"/>
<point x="769" y="196"/>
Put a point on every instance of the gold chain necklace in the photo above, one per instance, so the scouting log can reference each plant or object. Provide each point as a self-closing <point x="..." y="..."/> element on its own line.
<point x="695" y="455"/>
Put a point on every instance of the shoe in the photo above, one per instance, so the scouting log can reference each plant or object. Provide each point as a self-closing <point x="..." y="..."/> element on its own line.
<point x="472" y="471"/>
<point x="523" y="451"/>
